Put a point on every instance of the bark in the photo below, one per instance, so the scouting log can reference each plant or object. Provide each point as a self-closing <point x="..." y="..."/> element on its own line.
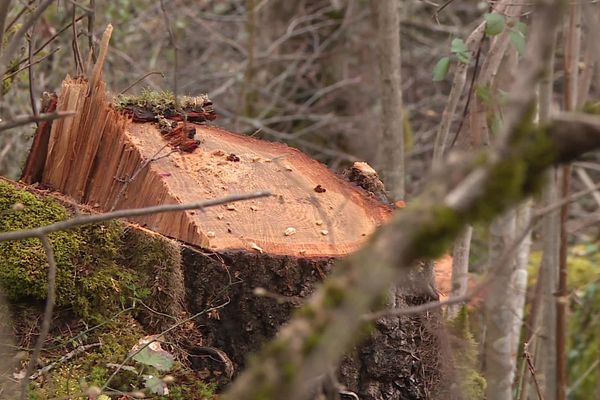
<point x="392" y="143"/>
<point x="542" y="336"/>
<point x="499" y="371"/>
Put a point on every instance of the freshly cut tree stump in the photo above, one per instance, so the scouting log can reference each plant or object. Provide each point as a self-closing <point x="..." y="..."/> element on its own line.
<point x="101" y="158"/>
<point x="250" y="262"/>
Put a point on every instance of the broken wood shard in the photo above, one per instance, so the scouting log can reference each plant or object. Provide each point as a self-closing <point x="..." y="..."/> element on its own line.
<point x="103" y="158"/>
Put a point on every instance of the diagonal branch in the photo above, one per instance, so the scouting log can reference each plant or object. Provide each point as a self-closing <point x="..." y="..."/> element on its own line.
<point x="472" y="189"/>
<point x="127" y="213"/>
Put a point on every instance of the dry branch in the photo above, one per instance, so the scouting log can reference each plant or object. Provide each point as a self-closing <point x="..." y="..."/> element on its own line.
<point x="465" y="192"/>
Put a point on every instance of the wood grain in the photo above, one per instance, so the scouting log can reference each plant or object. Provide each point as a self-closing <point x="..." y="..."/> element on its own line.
<point x="93" y="155"/>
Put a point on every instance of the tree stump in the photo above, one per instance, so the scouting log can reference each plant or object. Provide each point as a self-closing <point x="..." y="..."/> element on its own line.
<point x="254" y="260"/>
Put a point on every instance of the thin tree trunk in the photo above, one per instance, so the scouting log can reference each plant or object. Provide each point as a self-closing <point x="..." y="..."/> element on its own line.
<point x="544" y="330"/>
<point x="392" y="143"/>
<point x="572" y="51"/>
<point x="498" y="312"/>
<point x="542" y="338"/>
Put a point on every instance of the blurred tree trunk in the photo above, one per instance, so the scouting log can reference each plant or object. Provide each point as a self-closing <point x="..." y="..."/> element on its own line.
<point x="392" y="143"/>
<point x="543" y="336"/>
<point x="505" y="301"/>
<point x="571" y="60"/>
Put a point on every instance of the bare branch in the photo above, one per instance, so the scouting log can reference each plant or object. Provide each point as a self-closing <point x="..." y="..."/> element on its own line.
<point x="127" y="213"/>
<point x="12" y="46"/>
<point x="27" y="119"/>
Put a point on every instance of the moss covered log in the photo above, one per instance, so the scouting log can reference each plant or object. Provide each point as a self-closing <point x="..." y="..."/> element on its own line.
<point x="473" y="190"/>
<point x="109" y="278"/>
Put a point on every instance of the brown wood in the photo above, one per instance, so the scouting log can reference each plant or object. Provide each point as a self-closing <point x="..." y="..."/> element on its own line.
<point x="100" y="157"/>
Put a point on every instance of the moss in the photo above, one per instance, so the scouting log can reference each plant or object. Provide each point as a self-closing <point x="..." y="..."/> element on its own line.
<point x="90" y="368"/>
<point x="102" y="271"/>
<point x="334" y="293"/>
<point x="160" y="274"/>
<point x="436" y="234"/>
<point x="159" y="102"/>
<point x="89" y="278"/>
<point x="23" y="271"/>
<point x="471" y="381"/>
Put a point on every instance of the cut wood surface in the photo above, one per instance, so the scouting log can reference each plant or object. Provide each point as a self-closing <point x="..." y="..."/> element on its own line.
<point x="93" y="156"/>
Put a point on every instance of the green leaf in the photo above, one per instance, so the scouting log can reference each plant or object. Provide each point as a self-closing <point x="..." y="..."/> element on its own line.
<point x="155" y="385"/>
<point x="464" y="58"/>
<point x="458" y="46"/>
<point x="518" y="40"/>
<point x="440" y="71"/>
<point x="522" y="27"/>
<point x="494" y="24"/>
<point x="159" y="359"/>
<point x="485" y="94"/>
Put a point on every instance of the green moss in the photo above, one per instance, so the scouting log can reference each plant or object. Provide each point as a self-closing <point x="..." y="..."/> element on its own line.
<point x="334" y="293"/>
<point x="464" y="354"/>
<point x="89" y="278"/>
<point x="159" y="102"/>
<point x="436" y="234"/>
<point x="23" y="271"/>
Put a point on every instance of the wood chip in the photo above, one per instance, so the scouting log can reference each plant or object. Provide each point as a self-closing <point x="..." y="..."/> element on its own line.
<point x="219" y="216"/>
<point x="319" y="222"/>
<point x="210" y="234"/>
<point x="254" y="246"/>
<point x="302" y="251"/>
<point x="324" y="232"/>
<point x="290" y="231"/>
<point x="254" y="208"/>
<point x="289" y="169"/>
<point x="231" y="207"/>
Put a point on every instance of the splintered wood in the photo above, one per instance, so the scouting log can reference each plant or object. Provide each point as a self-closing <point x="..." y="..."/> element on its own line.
<point x="102" y="158"/>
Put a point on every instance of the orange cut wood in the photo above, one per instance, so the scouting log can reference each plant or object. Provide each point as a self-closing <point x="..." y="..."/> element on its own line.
<point x="100" y="157"/>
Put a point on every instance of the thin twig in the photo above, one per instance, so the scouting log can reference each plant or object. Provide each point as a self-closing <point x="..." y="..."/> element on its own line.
<point x="12" y="46"/>
<point x="135" y="175"/>
<point x="34" y="108"/>
<point x="77" y="350"/>
<point x="141" y="79"/>
<point x="52" y="38"/>
<point x="90" y="27"/>
<point x="45" y="328"/>
<point x="156" y="337"/>
<point x="532" y="371"/>
<point x="27" y="119"/>
<point x="39" y="60"/>
<point x="127" y="213"/>
<point x="74" y="43"/>
<point x="471" y="90"/>
<point x="173" y="39"/>
<point x="4" y="7"/>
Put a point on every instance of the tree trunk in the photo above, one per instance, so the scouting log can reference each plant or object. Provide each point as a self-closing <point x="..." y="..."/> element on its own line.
<point x="392" y="144"/>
